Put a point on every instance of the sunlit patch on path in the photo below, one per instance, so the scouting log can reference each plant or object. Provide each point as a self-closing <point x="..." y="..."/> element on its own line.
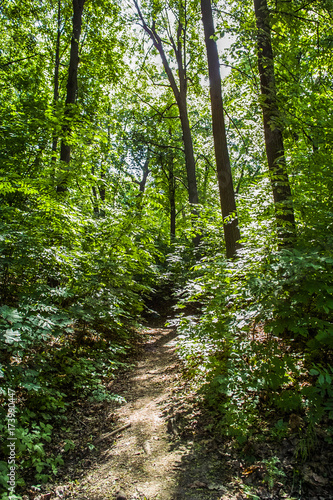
<point x="139" y="462"/>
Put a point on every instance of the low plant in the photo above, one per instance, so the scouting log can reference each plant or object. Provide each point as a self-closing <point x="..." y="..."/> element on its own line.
<point x="259" y="344"/>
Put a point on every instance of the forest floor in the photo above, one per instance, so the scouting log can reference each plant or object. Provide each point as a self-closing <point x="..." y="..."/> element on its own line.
<point x="155" y="457"/>
<point x="160" y="443"/>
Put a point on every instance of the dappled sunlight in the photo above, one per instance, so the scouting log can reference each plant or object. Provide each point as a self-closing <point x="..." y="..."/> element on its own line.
<point x="138" y="460"/>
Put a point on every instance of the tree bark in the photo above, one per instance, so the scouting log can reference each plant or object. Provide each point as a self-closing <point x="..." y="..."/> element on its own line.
<point x="193" y="196"/>
<point x="172" y="199"/>
<point x="101" y="186"/>
<point x="65" y="151"/>
<point x="56" y="81"/>
<point x="273" y="132"/>
<point x="145" y="173"/>
<point x="95" y="201"/>
<point x="226" y="189"/>
<point x="142" y="184"/>
<point x="180" y="94"/>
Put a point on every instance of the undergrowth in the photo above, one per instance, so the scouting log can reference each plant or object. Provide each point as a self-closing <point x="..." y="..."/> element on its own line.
<point x="71" y="299"/>
<point x="53" y="379"/>
<point x="261" y="352"/>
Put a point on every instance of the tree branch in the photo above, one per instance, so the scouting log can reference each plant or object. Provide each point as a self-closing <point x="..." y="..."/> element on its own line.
<point x="9" y="63"/>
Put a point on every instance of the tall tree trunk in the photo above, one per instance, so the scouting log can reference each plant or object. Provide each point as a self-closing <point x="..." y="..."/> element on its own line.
<point x="56" y="82"/>
<point x="101" y="186"/>
<point x="65" y="152"/>
<point x="142" y="185"/>
<point x="95" y="200"/>
<point x="193" y="196"/>
<point x="102" y="192"/>
<point x="283" y="202"/>
<point x="172" y="199"/>
<point x="145" y="173"/>
<point x="226" y="189"/>
<point x="181" y="100"/>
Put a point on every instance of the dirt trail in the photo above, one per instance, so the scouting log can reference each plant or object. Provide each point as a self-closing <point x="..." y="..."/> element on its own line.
<point x="138" y="462"/>
<point x="143" y="461"/>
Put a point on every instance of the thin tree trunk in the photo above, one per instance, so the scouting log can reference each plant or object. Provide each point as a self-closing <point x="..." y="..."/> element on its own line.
<point x="172" y="200"/>
<point x="95" y="200"/>
<point x="56" y="81"/>
<point x="226" y="189"/>
<point x="102" y="183"/>
<point x="142" y="185"/>
<point x="102" y="192"/>
<point x="193" y="196"/>
<point x="101" y="186"/>
<point x="145" y="173"/>
<point x="65" y="152"/>
<point x="283" y="202"/>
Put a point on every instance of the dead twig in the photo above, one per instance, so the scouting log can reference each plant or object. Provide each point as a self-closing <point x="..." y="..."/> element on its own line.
<point x="112" y="433"/>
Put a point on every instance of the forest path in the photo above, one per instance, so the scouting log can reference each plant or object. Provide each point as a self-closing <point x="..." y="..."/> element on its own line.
<point x="147" y="461"/>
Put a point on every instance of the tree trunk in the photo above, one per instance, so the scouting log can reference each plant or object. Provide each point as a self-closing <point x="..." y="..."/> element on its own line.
<point x="142" y="184"/>
<point x="102" y="192"/>
<point x="145" y="173"/>
<point x="181" y="100"/>
<point x="193" y="196"/>
<point x="283" y="202"/>
<point x="65" y="152"/>
<point x="95" y="200"/>
<point x="56" y="82"/>
<point x="227" y="195"/>
<point x="172" y="200"/>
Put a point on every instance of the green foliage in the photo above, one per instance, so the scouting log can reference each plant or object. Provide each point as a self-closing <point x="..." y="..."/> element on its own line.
<point x="63" y="374"/>
<point x="266" y="319"/>
<point x="273" y="473"/>
<point x="319" y="395"/>
<point x="72" y="288"/>
<point x="76" y="270"/>
<point x="296" y="286"/>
